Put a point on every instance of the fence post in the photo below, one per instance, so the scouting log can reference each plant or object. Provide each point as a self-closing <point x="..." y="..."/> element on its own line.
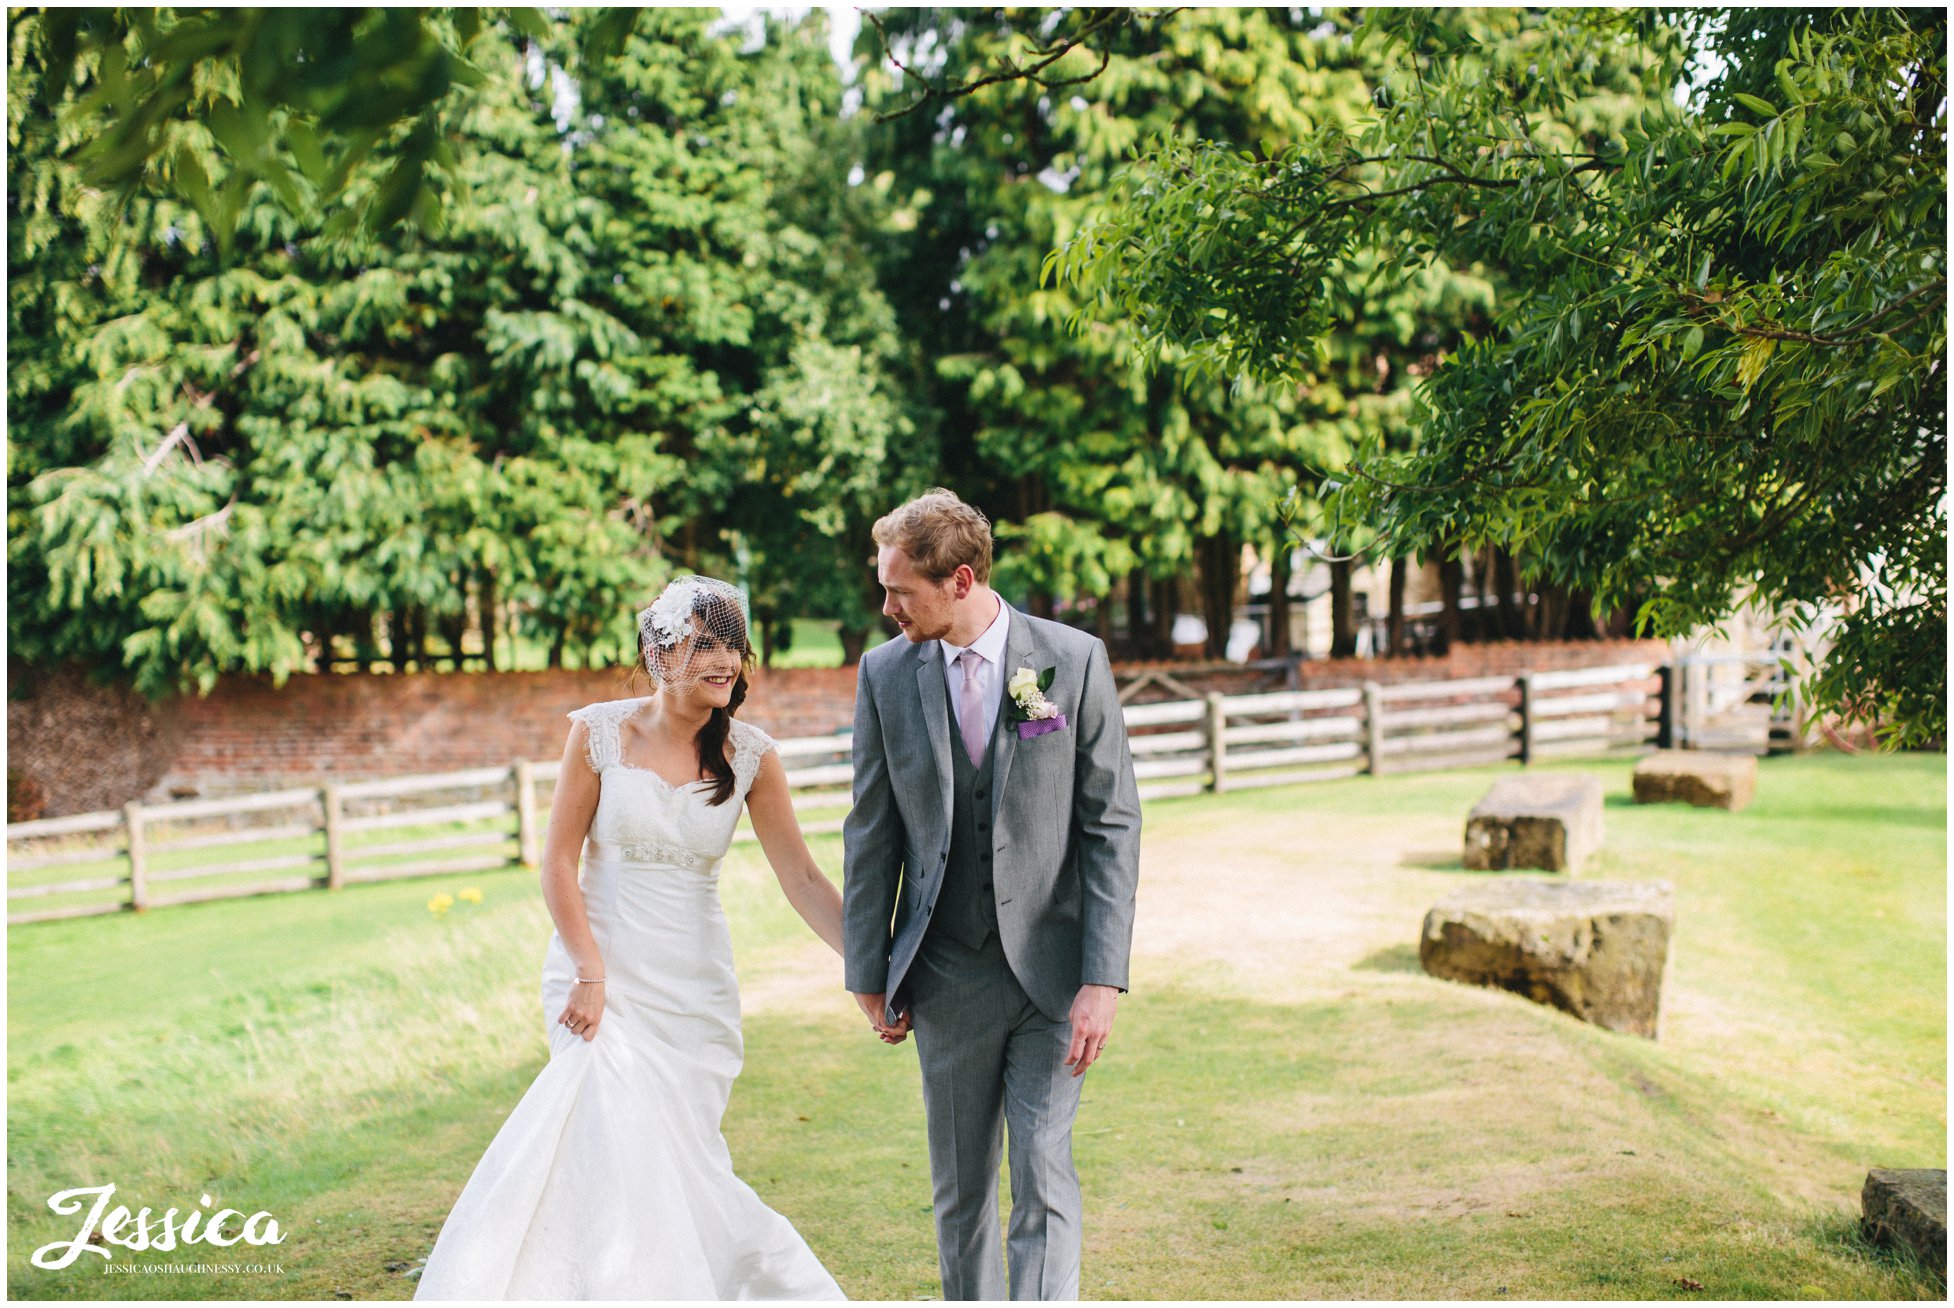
<point x="1526" y="719"/>
<point x="138" y="857"/>
<point x="335" y="851"/>
<point x="1217" y="743"/>
<point x="1665" y="732"/>
<point x="1373" y="728"/>
<point x="528" y="847"/>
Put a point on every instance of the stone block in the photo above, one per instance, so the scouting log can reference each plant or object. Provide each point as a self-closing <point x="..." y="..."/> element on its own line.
<point x="1545" y="821"/>
<point x="1695" y="776"/>
<point x="1908" y="1206"/>
<point x="1593" y="949"/>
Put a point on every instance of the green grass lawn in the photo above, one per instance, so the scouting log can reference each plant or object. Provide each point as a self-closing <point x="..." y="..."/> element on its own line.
<point x="1290" y="1108"/>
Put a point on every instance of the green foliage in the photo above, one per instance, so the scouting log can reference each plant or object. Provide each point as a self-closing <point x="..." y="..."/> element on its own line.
<point x="614" y="356"/>
<point x="829" y="438"/>
<point x="1102" y="458"/>
<point x="488" y="319"/>
<point x="300" y="99"/>
<point x="1722" y="375"/>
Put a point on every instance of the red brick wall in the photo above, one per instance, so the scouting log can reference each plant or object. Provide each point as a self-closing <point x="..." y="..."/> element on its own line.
<point x="249" y="735"/>
<point x="74" y="746"/>
<point x="80" y="747"/>
<point x="1506" y="658"/>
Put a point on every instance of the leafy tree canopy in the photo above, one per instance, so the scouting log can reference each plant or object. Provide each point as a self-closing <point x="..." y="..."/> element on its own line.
<point x="1723" y="375"/>
<point x="296" y="97"/>
<point x="632" y="337"/>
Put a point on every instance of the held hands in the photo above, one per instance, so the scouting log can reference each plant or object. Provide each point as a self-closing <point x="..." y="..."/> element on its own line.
<point x="585" y="1009"/>
<point x="1092" y="1022"/>
<point x="874" y="1006"/>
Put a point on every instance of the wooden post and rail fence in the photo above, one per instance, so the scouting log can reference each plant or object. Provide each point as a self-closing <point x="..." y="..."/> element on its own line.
<point x="152" y="855"/>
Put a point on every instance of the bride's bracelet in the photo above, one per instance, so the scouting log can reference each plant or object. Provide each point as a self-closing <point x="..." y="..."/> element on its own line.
<point x="590" y="981"/>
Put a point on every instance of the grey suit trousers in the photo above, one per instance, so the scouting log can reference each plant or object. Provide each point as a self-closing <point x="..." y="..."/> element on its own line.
<point x="990" y="1059"/>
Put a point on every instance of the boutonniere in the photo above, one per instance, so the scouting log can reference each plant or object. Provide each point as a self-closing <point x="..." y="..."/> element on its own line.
<point x="1031" y="712"/>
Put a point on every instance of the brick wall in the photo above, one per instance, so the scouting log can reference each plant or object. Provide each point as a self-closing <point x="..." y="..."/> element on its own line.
<point x="1506" y="658"/>
<point x="1502" y="658"/>
<point x="249" y="735"/>
<point x="75" y="746"/>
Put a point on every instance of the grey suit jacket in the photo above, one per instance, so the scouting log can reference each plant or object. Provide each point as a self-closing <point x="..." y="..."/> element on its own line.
<point x="1065" y="827"/>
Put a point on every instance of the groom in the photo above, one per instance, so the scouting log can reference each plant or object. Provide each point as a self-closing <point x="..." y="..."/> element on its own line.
<point x="992" y="856"/>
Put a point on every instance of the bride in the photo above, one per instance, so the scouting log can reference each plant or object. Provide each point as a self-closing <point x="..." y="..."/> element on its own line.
<point x="610" y="1179"/>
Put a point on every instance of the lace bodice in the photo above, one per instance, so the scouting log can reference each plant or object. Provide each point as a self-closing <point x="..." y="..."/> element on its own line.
<point x="651" y="819"/>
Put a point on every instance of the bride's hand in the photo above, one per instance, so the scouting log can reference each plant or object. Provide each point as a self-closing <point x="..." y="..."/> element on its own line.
<point x="585" y="1009"/>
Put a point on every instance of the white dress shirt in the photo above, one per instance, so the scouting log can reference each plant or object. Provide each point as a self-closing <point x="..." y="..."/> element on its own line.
<point x="990" y="646"/>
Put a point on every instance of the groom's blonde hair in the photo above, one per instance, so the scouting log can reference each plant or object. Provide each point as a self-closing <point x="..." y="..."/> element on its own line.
<point x="938" y="532"/>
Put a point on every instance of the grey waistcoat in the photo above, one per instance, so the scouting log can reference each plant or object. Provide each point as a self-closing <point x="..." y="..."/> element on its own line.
<point x="966" y="909"/>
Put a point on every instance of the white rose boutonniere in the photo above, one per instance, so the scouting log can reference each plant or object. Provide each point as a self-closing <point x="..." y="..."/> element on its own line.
<point x="1031" y="713"/>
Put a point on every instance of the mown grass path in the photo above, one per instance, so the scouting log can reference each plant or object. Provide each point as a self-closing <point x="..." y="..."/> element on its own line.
<point x="1289" y="1109"/>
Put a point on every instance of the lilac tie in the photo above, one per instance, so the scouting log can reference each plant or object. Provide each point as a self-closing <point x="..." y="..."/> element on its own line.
<point x="970" y="708"/>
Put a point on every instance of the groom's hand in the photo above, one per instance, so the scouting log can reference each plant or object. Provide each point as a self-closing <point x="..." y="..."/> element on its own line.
<point x="874" y="1006"/>
<point x="1092" y="1022"/>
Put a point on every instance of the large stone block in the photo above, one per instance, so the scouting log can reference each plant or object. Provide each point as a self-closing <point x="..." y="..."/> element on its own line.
<point x="1546" y="821"/>
<point x="1593" y="949"/>
<point x="1908" y="1206"/>
<point x="1695" y="776"/>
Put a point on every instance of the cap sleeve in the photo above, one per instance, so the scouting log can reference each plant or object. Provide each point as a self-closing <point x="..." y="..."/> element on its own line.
<point x="602" y="748"/>
<point x="750" y="745"/>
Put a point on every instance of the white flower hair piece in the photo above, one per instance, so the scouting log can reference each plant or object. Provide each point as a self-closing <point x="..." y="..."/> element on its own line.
<point x="665" y="622"/>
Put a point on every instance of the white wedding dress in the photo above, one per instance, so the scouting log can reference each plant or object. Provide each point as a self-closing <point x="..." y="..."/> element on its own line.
<point x="610" y="1179"/>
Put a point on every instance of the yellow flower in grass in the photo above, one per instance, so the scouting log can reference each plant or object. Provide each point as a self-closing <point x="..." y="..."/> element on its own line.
<point x="471" y="895"/>
<point x="440" y="904"/>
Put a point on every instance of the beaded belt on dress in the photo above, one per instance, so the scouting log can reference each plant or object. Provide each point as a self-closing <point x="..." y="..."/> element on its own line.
<point x="644" y="851"/>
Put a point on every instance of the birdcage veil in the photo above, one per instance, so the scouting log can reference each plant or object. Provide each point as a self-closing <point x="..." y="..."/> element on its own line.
<point x="696" y="628"/>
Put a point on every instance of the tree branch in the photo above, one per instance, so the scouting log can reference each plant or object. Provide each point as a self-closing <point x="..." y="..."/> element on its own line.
<point x="1862" y="330"/>
<point x="1102" y="20"/>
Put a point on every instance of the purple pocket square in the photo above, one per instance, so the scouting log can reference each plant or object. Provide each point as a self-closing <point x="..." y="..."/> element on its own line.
<point x="1039" y="726"/>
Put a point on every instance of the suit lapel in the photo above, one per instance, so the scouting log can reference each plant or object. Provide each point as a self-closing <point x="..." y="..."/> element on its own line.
<point x="935" y="697"/>
<point x="1020" y="651"/>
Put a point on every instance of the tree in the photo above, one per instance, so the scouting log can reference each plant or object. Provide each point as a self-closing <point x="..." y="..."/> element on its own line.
<point x="302" y="99"/>
<point x="1106" y="451"/>
<point x="640" y="330"/>
<point x="219" y="460"/>
<point x="1095" y="468"/>
<point x="1724" y="379"/>
<point x="740" y="251"/>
